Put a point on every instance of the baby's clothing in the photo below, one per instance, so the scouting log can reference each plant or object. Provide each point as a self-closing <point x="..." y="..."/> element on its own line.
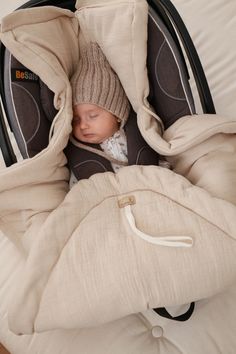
<point x="116" y="147"/>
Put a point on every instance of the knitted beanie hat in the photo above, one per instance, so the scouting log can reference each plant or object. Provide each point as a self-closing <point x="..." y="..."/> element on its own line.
<point x="95" y="82"/>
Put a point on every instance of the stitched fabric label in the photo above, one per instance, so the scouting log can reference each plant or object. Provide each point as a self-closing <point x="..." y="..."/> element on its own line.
<point x="23" y="75"/>
<point x="128" y="200"/>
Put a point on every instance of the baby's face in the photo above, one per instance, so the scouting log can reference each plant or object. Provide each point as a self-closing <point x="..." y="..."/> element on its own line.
<point x="93" y="124"/>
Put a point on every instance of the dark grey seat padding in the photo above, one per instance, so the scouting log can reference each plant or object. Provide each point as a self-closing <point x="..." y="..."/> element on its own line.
<point x="170" y="93"/>
<point x="29" y="107"/>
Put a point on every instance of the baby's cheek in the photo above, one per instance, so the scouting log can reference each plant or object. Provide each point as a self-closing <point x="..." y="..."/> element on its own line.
<point x="76" y="131"/>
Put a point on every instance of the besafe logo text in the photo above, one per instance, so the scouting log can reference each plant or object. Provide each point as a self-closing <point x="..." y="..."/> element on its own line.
<point x="23" y="75"/>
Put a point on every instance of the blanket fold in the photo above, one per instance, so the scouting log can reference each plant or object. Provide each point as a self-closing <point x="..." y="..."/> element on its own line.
<point x="106" y="270"/>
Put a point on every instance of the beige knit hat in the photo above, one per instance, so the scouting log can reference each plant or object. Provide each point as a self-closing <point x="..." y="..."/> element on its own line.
<point x="95" y="82"/>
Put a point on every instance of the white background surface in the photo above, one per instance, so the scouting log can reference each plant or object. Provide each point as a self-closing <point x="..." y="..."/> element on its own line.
<point x="212" y="26"/>
<point x="7" y="6"/>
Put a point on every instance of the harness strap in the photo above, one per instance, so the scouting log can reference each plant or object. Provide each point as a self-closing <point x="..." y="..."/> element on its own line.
<point x="161" y="311"/>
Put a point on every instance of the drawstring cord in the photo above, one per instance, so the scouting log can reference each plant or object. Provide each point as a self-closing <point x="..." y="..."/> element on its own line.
<point x="167" y="241"/>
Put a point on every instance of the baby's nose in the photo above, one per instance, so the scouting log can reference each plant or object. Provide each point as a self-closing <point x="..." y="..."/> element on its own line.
<point x="83" y="124"/>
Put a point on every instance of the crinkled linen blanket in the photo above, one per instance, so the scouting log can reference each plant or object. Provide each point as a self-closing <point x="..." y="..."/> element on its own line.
<point x="114" y="244"/>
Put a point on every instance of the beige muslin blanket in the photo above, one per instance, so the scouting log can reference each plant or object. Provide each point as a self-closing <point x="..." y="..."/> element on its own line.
<point x="114" y="244"/>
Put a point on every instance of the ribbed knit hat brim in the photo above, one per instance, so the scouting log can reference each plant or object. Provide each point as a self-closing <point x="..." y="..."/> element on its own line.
<point x="95" y="82"/>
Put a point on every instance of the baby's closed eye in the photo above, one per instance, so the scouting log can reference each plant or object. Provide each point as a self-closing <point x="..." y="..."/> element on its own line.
<point x="94" y="115"/>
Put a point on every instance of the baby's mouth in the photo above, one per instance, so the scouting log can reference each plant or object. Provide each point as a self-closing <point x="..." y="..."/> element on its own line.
<point x="88" y="135"/>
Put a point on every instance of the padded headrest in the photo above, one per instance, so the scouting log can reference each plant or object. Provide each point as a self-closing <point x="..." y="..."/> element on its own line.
<point x="29" y="106"/>
<point x="170" y="92"/>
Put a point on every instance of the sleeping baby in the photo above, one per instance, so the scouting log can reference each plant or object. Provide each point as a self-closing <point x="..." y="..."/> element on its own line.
<point x="100" y="118"/>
